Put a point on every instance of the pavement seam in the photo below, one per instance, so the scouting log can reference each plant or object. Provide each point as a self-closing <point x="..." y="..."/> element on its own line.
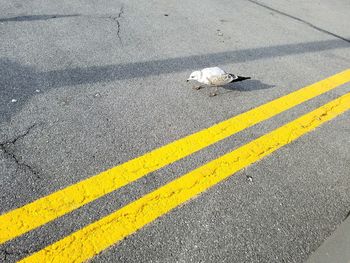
<point x="4" y="146"/>
<point x="30" y="18"/>
<point x="299" y="20"/>
<point x="346" y="216"/>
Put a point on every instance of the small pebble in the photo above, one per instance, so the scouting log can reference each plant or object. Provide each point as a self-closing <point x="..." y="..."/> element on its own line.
<point x="13" y="100"/>
<point x="97" y="95"/>
<point x="250" y="179"/>
<point x="220" y="34"/>
<point x="37" y="90"/>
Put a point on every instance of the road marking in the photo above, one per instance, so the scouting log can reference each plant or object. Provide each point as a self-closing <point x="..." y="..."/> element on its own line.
<point x="52" y="206"/>
<point x="92" y="239"/>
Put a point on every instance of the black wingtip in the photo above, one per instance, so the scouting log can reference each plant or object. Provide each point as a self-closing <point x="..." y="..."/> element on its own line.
<point x="240" y="78"/>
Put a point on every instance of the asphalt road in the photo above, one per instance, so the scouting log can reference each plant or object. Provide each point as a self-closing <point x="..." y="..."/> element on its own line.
<point x="88" y="85"/>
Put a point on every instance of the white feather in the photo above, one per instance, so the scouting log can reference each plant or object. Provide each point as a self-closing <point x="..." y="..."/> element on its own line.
<point x="214" y="76"/>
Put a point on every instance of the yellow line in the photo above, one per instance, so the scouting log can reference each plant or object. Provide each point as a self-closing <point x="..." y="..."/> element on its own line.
<point x="52" y="206"/>
<point x="105" y="232"/>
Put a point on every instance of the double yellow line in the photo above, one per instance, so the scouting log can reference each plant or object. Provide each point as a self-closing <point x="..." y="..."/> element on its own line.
<point x="92" y="239"/>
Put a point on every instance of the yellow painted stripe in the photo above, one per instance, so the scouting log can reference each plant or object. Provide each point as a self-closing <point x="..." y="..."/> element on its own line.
<point x="45" y="209"/>
<point x="105" y="232"/>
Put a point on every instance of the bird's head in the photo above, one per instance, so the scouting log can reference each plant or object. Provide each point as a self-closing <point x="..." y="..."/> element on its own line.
<point x="195" y="75"/>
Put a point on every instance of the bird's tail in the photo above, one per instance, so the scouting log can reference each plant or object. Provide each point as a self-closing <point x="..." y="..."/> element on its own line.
<point x="238" y="78"/>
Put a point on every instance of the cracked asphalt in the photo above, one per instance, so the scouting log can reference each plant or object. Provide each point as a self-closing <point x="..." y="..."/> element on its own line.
<point x="86" y="86"/>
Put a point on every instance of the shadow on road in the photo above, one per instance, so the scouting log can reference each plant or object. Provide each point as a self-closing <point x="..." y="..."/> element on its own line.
<point x="20" y="82"/>
<point x="248" y="85"/>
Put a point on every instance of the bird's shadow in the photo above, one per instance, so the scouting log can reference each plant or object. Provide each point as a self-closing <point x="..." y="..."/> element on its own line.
<point x="247" y="85"/>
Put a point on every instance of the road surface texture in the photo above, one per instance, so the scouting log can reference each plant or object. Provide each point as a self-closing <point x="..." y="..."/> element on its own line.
<point x="89" y="85"/>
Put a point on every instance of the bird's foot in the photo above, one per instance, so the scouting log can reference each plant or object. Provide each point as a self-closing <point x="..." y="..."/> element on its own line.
<point x="197" y="87"/>
<point x="215" y="92"/>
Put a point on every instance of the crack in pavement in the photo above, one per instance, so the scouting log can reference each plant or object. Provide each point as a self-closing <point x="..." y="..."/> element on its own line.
<point x="116" y="19"/>
<point x="300" y="20"/>
<point x="5" y="147"/>
<point x="30" y="18"/>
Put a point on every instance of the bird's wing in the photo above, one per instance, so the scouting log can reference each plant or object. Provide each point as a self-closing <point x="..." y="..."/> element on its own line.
<point x="220" y="80"/>
<point x="214" y="71"/>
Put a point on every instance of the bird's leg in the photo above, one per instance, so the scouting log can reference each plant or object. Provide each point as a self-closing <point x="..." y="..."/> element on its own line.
<point x="197" y="87"/>
<point x="215" y="92"/>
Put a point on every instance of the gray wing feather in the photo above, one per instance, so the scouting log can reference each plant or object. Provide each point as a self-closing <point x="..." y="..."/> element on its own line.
<point x="220" y="80"/>
<point x="214" y="71"/>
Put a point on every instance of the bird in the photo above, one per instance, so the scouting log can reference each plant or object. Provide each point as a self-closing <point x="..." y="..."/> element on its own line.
<point x="214" y="77"/>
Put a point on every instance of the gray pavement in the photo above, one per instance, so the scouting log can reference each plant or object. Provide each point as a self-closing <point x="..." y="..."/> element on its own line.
<point x="97" y="83"/>
<point x="335" y="248"/>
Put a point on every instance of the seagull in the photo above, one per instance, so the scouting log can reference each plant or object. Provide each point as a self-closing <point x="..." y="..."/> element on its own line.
<point x="214" y="77"/>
